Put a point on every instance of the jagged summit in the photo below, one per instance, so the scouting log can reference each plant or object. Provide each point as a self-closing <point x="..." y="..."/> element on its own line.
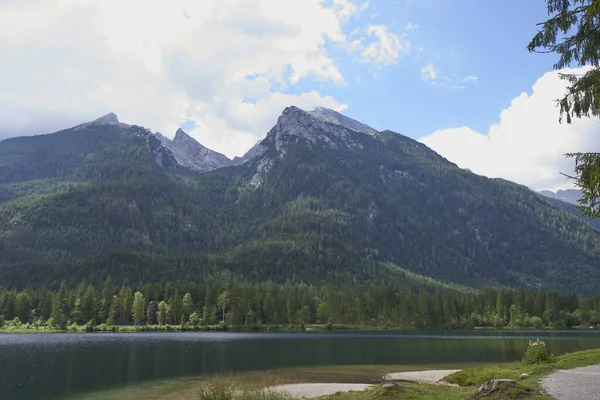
<point x="110" y="118"/>
<point x="297" y="123"/>
<point x="294" y="126"/>
<point x="321" y="124"/>
<point x="192" y="155"/>
<point x="181" y="135"/>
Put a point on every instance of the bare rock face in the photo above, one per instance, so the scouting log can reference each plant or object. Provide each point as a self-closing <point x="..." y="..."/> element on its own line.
<point x="256" y="151"/>
<point x="192" y="155"/>
<point x="320" y="126"/>
<point x="295" y="125"/>
<point x="108" y="119"/>
<point x="335" y="117"/>
<point x="391" y="386"/>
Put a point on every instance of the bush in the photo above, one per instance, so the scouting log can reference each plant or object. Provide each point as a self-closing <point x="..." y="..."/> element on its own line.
<point x="91" y="324"/>
<point x="536" y="353"/>
<point x="14" y="324"/>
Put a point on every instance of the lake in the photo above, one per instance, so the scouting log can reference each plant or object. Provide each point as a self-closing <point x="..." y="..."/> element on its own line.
<point x="58" y="365"/>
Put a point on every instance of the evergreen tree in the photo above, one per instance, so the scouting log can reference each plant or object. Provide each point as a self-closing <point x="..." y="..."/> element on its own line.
<point x="139" y="308"/>
<point x="187" y="305"/>
<point x="23" y="307"/>
<point x="572" y="33"/>
<point x="126" y="297"/>
<point x="60" y="307"/>
<point x="114" y="313"/>
<point x="163" y="311"/>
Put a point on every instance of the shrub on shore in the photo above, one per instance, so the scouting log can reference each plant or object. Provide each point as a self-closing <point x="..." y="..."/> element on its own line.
<point x="536" y="353"/>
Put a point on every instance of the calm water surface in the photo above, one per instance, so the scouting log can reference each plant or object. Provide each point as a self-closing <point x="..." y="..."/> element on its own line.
<point x="57" y="365"/>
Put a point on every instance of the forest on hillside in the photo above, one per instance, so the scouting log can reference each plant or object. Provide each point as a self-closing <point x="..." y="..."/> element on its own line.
<point x="85" y="204"/>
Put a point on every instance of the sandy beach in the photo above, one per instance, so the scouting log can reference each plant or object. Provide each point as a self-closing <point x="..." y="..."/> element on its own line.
<point x="312" y="390"/>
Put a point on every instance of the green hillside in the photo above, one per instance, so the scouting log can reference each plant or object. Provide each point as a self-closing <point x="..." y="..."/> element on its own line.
<point x="92" y="202"/>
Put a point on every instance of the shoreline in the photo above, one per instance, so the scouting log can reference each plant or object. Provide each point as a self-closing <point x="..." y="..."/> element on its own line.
<point x="525" y="382"/>
<point x="271" y="329"/>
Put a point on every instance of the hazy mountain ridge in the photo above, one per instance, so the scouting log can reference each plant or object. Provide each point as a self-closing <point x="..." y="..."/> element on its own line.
<point x="570" y="195"/>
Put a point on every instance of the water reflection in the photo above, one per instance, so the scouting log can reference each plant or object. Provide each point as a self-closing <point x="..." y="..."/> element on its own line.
<point x="40" y="366"/>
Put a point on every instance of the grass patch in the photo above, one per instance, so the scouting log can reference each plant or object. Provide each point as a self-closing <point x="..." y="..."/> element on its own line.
<point x="229" y="391"/>
<point x="477" y="376"/>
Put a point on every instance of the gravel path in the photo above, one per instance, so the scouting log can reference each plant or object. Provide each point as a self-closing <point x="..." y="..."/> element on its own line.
<point x="433" y="376"/>
<point x="311" y="390"/>
<point x="574" y="384"/>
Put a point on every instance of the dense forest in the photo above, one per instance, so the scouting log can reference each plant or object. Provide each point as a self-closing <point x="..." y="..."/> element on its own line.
<point x="353" y="209"/>
<point x="252" y="305"/>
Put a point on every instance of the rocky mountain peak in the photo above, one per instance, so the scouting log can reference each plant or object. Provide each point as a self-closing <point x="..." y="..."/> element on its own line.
<point x="110" y="118"/>
<point x="337" y="118"/>
<point x="293" y="126"/>
<point x="320" y="124"/>
<point x="190" y="154"/>
<point x="182" y="137"/>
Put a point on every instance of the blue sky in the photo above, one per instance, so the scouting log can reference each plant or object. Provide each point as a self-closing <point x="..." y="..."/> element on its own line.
<point x="459" y="38"/>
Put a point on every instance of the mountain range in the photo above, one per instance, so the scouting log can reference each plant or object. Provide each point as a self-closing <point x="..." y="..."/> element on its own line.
<point x="569" y="195"/>
<point x="322" y="198"/>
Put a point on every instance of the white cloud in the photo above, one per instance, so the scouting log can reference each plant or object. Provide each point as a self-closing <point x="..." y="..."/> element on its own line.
<point x="410" y="27"/>
<point x="161" y="63"/>
<point x="527" y="145"/>
<point x="383" y="47"/>
<point x="429" y="73"/>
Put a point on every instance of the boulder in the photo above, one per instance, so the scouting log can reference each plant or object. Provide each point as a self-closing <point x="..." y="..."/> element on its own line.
<point x="493" y="385"/>
<point x="388" y="385"/>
